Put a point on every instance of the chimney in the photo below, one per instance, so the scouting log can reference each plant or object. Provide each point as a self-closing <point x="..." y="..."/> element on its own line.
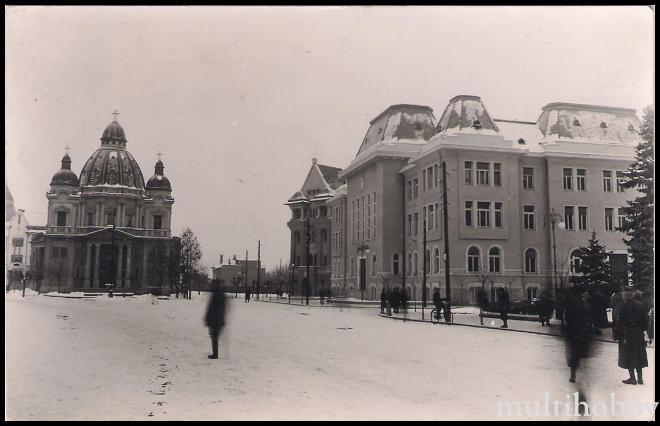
<point x="313" y="161"/>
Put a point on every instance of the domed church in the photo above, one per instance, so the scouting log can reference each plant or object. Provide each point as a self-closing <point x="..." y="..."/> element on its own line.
<point x="107" y="228"/>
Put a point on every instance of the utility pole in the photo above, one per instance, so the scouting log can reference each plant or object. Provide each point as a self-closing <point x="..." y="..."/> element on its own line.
<point x="246" y="271"/>
<point x="258" y="267"/>
<point x="306" y="286"/>
<point x="445" y="219"/>
<point x="424" y="274"/>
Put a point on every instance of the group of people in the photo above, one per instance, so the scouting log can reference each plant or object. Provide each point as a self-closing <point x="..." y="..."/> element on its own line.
<point x="391" y="300"/>
<point x="630" y="319"/>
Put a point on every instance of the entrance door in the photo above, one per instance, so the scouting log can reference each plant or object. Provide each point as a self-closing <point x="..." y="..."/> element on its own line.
<point x="363" y="274"/>
<point x="107" y="266"/>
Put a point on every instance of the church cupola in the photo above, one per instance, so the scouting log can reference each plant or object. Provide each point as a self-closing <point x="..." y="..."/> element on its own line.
<point x="65" y="176"/>
<point x="158" y="181"/>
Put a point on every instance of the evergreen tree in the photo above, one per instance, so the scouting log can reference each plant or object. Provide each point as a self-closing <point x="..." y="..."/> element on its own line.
<point x="638" y="225"/>
<point x="190" y="256"/>
<point x="594" y="268"/>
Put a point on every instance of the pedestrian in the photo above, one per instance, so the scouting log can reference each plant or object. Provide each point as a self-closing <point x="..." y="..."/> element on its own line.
<point x="395" y="299"/>
<point x="404" y="302"/>
<point x="598" y="306"/>
<point x="545" y="307"/>
<point x="437" y="302"/>
<point x="631" y="323"/>
<point x="248" y="291"/>
<point x="215" y="316"/>
<point x="616" y="300"/>
<point x="482" y="299"/>
<point x="579" y="329"/>
<point x="383" y="300"/>
<point x="504" y="304"/>
<point x="321" y="295"/>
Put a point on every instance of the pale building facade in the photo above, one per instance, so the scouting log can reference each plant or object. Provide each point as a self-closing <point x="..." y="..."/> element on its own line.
<point x="17" y="253"/>
<point x="504" y="179"/>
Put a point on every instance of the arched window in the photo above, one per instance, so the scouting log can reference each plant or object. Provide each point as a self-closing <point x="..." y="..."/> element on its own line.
<point x="473" y="259"/>
<point x="575" y="261"/>
<point x="373" y="265"/>
<point x="436" y="260"/>
<point x="428" y="261"/>
<point x="530" y="260"/>
<point x="415" y="264"/>
<point x="395" y="264"/>
<point x="409" y="271"/>
<point x="494" y="259"/>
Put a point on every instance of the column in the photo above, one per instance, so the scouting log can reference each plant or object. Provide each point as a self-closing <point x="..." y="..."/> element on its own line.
<point x="145" y="252"/>
<point x="128" y="266"/>
<point x="97" y="215"/>
<point x="120" y="257"/>
<point x="86" y="269"/>
<point x="97" y="272"/>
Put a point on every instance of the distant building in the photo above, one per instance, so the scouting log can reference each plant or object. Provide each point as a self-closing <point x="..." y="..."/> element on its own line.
<point x="17" y="253"/>
<point x="504" y="179"/>
<point x="109" y="227"/>
<point x="236" y="273"/>
<point x="310" y="212"/>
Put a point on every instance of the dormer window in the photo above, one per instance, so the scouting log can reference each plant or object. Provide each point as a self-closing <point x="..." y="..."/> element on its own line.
<point x="603" y="125"/>
<point x="576" y="122"/>
<point x="631" y="127"/>
<point x="521" y="141"/>
<point x="476" y="124"/>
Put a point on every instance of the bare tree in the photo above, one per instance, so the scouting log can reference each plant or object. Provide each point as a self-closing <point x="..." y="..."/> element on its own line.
<point x="57" y="270"/>
<point x="158" y="264"/>
<point x="191" y="255"/>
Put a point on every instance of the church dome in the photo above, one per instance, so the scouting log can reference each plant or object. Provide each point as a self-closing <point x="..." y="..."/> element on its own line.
<point x="112" y="164"/>
<point x="65" y="176"/>
<point x="113" y="135"/>
<point x="158" y="181"/>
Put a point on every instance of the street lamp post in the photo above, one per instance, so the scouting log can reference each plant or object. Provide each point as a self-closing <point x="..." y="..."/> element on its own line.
<point x="555" y="219"/>
<point x="114" y="266"/>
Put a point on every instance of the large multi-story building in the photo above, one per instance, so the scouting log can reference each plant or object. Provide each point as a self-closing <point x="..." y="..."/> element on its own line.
<point x="241" y="274"/>
<point x="505" y="179"/>
<point x="108" y="228"/>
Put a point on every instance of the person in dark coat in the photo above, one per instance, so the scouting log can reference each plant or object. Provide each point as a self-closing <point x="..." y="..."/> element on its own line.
<point x="248" y="293"/>
<point x="383" y="300"/>
<point x="482" y="299"/>
<point x="437" y="302"/>
<point x="395" y="299"/>
<point x="632" y="320"/>
<point x="598" y="306"/>
<point x="403" y="300"/>
<point x="215" y="316"/>
<point x="545" y="307"/>
<point x="578" y="328"/>
<point x="505" y="306"/>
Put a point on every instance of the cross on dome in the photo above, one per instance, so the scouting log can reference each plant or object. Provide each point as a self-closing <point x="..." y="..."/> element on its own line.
<point x="115" y="113"/>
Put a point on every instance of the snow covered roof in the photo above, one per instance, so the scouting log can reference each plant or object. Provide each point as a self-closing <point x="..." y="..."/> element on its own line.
<point x="466" y="114"/>
<point x="399" y="122"/>
<point x="523" y="134"/>
<point x="330" y="174"/>
<point x="10" y="211"/>
<point x="589" y="123"/>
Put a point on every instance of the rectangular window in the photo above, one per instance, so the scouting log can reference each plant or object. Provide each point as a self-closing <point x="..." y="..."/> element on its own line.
<point x="621" y="218"/>
<point x="581" y="176"/>
<point x="431" y="217"/>
<point x="468" y="213"/>
<point x="436" y="217"/>
<point x="54" y="252"/>
<point x="528" y="217"/>
<point x="607" y="180"/>
<point x="483" y="170"/>
<point x="497" y="174"/>
<point x="409" y="190"/>
<point x="619" y="182"/>
<point x="416" y="217"/>
<point x="158" y="221"/>
<point x="569" y="211"/>
<point x="90" y="219"/>
<point x="468" y="172"/>
<point x="582" y="218"/>
<point x="568" y="179"/>
<point x="409" y="224"/>
<point x="483" y="214"/>
<point x="110" y="218"/>
<point x="17" y="242"/>
<point x="61" y="218"/>
<point x="609" y="219"/>
<point x="415" y="185"/>
<point x="373" y="211"/>
<point x="436" y="175"/>
<point x="528" y="178"/>
<point x="424" y="180"/>
<point x="424" y="219"/>
<point x="63" y="251"/>
<point x="498" y="215"/>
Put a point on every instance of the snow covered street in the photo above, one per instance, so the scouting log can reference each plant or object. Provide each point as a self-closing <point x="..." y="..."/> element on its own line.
<point x="141" y="358"/>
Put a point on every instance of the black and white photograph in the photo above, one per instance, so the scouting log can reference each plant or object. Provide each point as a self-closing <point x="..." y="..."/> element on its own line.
<point x="329" y="213"/>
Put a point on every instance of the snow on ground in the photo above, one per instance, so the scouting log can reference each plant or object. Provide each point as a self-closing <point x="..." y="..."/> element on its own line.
<point x="142" y="358"/>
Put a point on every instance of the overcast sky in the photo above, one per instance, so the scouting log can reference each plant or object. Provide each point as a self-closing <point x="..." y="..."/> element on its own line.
<point x="239" y="100"/>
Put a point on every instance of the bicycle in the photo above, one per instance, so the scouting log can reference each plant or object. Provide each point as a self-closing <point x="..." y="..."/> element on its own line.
<point x="436" y="316"/>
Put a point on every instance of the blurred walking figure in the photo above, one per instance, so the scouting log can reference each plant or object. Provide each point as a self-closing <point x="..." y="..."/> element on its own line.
<point x="578" y="328"/>
<point x="437" y="302"/>
<point x="248" y="292"/>
<point x="546" y="305"/>
<point x="383" y="300"/>
<point x="483" y="304"/>
<point x="632" y="320"/>
<point x="505" y="306"/>
<point x="215" y="316"/>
